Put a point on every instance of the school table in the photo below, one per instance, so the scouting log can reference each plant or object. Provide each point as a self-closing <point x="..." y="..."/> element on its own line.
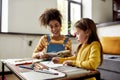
<point x="16" y="70"/>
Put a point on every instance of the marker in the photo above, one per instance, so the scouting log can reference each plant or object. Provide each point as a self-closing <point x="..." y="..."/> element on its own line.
<point x="42" y="71"/>
<point x="23" y="63"/>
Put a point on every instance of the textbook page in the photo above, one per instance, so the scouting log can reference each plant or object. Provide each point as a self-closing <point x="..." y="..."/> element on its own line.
<point x="69" y="70"/>
<point x="33" y="75"/>
<point x="72" y="71"/>
<point x="50" y="64"/>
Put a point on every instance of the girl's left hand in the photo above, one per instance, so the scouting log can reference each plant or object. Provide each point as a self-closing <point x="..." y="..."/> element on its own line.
<point x="68" y="62"/>
<point x="39" y="66"/>
<point x="55" y="59"/>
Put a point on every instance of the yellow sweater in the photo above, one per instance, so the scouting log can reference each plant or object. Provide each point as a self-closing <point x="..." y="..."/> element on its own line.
<point x="88" y="57"/>
<point x="42" y="45"/>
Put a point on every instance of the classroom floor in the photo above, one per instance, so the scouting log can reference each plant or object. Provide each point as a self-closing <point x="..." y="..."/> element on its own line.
<point x="10" y="77"/>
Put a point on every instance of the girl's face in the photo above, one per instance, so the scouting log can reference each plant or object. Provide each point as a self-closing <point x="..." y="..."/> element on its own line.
<point x="55" y="27"/>
<point x="81" y="35"/>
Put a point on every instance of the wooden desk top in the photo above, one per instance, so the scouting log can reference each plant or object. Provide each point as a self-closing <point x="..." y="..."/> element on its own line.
<point x="16" y="70"/>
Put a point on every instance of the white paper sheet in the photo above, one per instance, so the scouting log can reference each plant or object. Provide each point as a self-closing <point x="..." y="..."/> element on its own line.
<point x="51" y="64"/>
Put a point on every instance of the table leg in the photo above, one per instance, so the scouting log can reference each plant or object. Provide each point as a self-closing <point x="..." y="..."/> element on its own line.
<point x="3" y="71"/>
<point x="98" y="76"/>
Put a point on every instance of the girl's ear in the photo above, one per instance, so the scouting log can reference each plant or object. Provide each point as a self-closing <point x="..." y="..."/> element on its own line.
<point x="88" y="32"/>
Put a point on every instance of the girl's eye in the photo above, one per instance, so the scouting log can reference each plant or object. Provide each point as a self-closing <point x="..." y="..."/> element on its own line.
<point x="56" y="25"/>
<point x="53" y="26"/>
<point x="77" y="33"/>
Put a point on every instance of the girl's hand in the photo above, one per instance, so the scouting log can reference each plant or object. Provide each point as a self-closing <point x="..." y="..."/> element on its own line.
<point x="68" y="62"/>
<point x="39" y="66"/>
<point x="55" y="59"/>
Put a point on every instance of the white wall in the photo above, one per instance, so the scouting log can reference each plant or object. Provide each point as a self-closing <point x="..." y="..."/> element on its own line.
<point x="87" y="8"/>
<point x="102" y="11"/>
<point x="23" y="15"/>
<point x="98" y="10"/>
<point x="17" y="46"/>
<point x="113" y="30"/>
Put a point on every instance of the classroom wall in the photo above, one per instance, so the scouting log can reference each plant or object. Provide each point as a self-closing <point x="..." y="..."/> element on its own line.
<point x="111" y="30"/>
<point x="102" y="11"/>
<point x="23" y="15"/>
<point x="98" y="10"/>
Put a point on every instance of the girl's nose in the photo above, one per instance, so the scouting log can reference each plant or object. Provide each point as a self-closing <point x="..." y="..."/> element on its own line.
<point x="74" y="34"/>
<point x="54" y="28"/>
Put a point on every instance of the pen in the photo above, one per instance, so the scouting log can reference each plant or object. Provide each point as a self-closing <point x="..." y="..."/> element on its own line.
<point x="26" y="67"/>
<point x="42" y="71"/>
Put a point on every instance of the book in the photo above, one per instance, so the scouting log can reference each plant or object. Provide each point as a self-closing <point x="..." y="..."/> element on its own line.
<point x="68" y="70"/>
<point x="64" y="53"/>
<point x="42" y="74"/>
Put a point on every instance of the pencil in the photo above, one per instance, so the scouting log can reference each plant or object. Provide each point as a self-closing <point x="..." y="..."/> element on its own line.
<point x="26" y="67"/>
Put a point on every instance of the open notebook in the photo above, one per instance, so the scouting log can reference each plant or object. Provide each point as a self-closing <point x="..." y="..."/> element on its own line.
<point x="58" y="69"/>
<point x="68" y="70"/>
<point x="40" y="75"/>
<point x="45" y="73"/>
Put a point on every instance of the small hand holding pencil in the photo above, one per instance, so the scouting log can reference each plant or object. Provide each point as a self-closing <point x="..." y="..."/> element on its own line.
<point x="38" y="67"/>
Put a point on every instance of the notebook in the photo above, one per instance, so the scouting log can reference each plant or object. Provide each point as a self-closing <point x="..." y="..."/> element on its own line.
<point x="35" y="75"/>
<point x="61" y="70"/>
<point x="68" y="70"/>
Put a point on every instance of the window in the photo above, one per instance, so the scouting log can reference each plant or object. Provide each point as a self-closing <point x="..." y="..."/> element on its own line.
<point x="0" y="13"/>
<point x="116" y="10"/>
<point x="72" y="12"/>
<point x="4" y="14"/>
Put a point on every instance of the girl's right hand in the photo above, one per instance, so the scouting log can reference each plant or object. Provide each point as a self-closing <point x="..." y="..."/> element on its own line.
<point x="55" y="59"/>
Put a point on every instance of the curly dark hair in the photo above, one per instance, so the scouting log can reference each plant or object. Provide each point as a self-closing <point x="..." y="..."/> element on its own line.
<point x="50" y="14"/>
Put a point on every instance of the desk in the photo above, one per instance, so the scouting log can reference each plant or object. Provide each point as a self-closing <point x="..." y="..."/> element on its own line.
<point x="16" y="70"/>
